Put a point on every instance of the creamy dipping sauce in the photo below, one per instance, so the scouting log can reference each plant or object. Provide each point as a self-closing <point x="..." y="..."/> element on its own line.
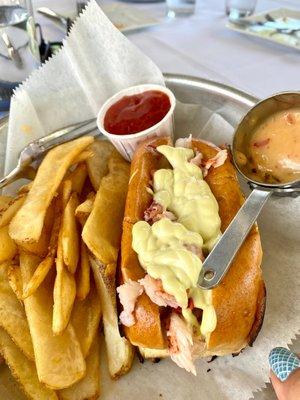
<point x="163" y="248"/>
<point x="274" y="152"/>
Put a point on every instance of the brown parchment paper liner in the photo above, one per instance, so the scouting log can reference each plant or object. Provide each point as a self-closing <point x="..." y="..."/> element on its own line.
<point x="96" y="62"/>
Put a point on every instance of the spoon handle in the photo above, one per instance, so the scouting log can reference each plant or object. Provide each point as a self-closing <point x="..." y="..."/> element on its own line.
<point x="218" y="261"/>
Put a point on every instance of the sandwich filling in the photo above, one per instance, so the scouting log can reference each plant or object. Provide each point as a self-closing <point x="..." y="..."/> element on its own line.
<point x="181" y="225"/>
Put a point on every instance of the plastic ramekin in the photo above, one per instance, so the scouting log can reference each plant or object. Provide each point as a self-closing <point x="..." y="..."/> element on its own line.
<point x="127" y="144"/>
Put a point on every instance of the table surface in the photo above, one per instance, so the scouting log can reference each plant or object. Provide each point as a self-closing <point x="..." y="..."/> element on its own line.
<point x="202" y="46"/>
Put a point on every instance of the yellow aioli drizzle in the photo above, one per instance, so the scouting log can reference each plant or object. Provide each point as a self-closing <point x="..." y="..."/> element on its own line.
<point x="162" y="253"/>
<point x="183" y="191"/>
<point x="161" y="248"/>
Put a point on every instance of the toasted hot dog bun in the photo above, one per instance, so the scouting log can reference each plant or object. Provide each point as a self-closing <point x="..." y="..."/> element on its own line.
<point x="240" y="298"/>
<point x="147" y="331"/>
<point x="239" y="301"/>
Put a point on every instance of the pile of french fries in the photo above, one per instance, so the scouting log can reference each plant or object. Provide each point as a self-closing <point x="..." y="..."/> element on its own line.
<point x="59" y="244"/>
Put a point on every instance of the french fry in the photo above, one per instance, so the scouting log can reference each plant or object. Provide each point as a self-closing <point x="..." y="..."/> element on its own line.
<point x="77" y="177"/>
<point x="88" y="388"/>
<point x="4" y="202"/>
<point x="45" y="265"/>
<point x="24" y="370"/>
<point x="97" y="165"/>
<point x="66" y="192"/>
<point x="13" y="206"/>
<point x="102" y="230"/>
<point x="12" y="316"/>
<point x="83" y="274"/>
<point x="87" y="189"/>
<point x="102" y="235"/>
<point x="69" y="235"/>
<point x="25" y="188"/>
<point x="8" y="249"/>
<point x="59" y="359"/>
<point x="119" y="350"/>
<point x="55" y="229"/>
<point x="38" y="277"/>
<point x="82" y="157"/>
<point x="63" y="294"/>
<point x="27" y="224"/>
<point x="84" y="209"/>
<point x="40" y="248"/>
<point x="15" y="280"/>
<point x="85" y="319"/>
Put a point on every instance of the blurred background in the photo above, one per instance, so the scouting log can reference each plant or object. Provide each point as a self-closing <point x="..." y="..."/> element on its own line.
<point x="252" y="45"/>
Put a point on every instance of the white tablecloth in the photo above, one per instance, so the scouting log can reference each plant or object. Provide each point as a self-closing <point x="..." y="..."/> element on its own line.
<point x="202" y="46"/>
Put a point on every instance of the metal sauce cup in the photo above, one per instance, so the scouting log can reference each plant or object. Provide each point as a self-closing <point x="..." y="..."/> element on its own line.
<point x="218" y="261"/>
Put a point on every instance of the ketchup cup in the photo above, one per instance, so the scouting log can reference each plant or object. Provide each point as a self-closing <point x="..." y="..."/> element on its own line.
<point x="126" y="144"/>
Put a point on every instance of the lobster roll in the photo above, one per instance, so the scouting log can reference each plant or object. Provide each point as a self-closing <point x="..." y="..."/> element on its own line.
<point x="180" y="200"/>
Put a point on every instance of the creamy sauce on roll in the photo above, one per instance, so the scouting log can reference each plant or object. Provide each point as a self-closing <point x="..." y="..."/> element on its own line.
<point x="162" y="252"/>
<point x="183" y="191"/>
<point x="169" y="250"/>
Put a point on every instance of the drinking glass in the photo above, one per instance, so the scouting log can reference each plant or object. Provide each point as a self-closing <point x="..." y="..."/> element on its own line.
<point x="236" y="9"/>
<point x="17" y="16"/>
<point x="180" y="8"/>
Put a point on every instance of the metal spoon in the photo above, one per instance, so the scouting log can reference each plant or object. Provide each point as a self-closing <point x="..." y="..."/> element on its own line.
<point x="219" y="260"/>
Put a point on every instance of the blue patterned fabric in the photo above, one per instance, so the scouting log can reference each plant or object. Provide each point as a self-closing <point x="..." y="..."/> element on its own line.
<point x="283" y="362"/>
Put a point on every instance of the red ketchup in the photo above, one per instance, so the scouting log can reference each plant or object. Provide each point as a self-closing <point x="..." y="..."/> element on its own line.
<point x="135" y="113"/>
